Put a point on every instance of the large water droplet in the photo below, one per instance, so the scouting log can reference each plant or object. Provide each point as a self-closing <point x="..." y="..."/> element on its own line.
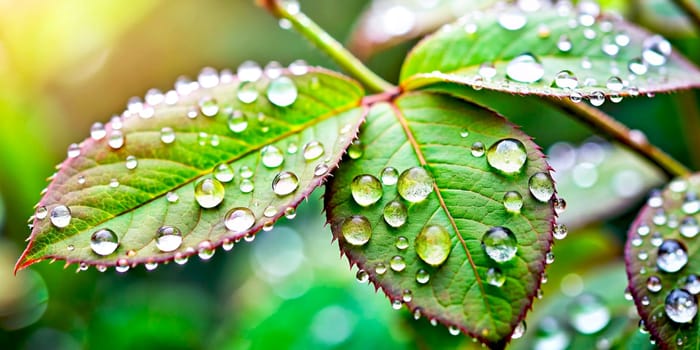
<point x="588" y="314"/>
<point x="104" y="242"/>
<point x="313" y="150"/>
<point x="239" y="219"/>
<point x="402" y="243"/>
<point x="656" y="50"/>
<point x="356" y="230"/>
<point x="672" y="256"/>
<point x="637" y="66"/>
<point x="366" y="190"/>
<point x="282" y="92"/>
<point x="680" y="306"/>
<point x="507" y="155"/>
<point x="168" y="238"/>
<point x="525" y="68"/>
<point x="500" y="244"/>
<point x="60" y="216"/>
<point x="395" y="213"/>
<point x="415" y="184"/>
<point x="433" y="244"/>
<point x="495" y="277"/>
<point x="285" y="183"/>
<point x="541" y="187"/>
<point x="209" y="193"/>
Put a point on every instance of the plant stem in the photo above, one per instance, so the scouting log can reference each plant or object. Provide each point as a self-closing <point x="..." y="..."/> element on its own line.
<point x="691" y="10"/>
<point x="329" y="45"/>
<point x="608" y="125"/>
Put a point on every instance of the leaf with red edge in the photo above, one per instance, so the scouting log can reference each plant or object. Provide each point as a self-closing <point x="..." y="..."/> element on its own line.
<point x="662" y="263"/>
<point x="235" y="138"/>
<point x="435" y="142"/>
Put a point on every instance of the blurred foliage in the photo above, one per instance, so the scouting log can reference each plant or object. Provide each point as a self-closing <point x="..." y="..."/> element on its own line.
<point x="68" y="63"/>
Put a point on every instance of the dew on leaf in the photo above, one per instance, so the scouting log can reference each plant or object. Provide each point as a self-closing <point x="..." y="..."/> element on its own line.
<point x="500" y="244"/>
<point x="104" y="242"/>
<point x="512" y="20"/>
<point x="97" y="131"/>
<point x="247" y="92"/>
<point x="541" y="187"/>
<point x="519" y="330"/>
<point x="239" y="219"/>
<point x="396" y="304"/>
<point x="313" y="150"/>
<point x="168" y="238"/>
<point x="692" y="284"/>
<point x="131" y="162"/>
<point x="615" y="84"/>
<point x="151" y="265"/>
<point x="564" y="44"/>
<point x="205" y="250"/>
<point x="525" y="68"/>
<point x="60" y="216"/>
<point x="180" y="258"/>
<point x="495" y="277"/>
<point x="680" y="306"/>
<point x="227" y="245"/>
<point x="299" y="67"/>
<point x="560" y="231"/>
<point x="167" y="135"/>
<point x="487" y="70"/>
<point x="224" y="172"/>
<point x="208" y="77"/>
<point x="654" y="284"/>
<point x="122" y="266"/>
<point x="366" y="190"/>
<point x="691" y="203"/>
<point x="116" y="139"/>
<point x="208" y="106"/>
<point x="209" y="193"/>
<point x="397" y="263"/>
<point x="395" y="213"/>
<point x="672" y="256"/>
<point x="282" y="92"/>
<point x="41" y="212"/>
<point x="422" y="276"/>
<point x="454" y="330"/>
<point x="656" y="239"/>
<point x="356" y="230"/>
<point x="407" y="296"/>
<point x="597" y="98"/>
<point x="246" y="186"/>
<point x="356" y="150"/>
<point x="477" y="149"/>
<point x="237" y="122"/>
<point x="380" y="269"/>
<point x="656" y="50"/>
<point x="507" y="155"/>
<point x="565" y="79"/>
<point x="321" y="169"/>
<point x="285" y="183"/>
<point x="689" y="227"/>
<point x="588" y="314"/>
<point x="362" y="276"/>
<point x="271" y="156"/>
<point x="433" y="244"/>
<point x="172" y="197"/>
<point x="249" y="71"/>
<point x="73" y="150"/>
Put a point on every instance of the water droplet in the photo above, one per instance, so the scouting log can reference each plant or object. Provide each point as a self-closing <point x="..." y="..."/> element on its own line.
<point x="656" y="50"/>
<point x="541" y="187"/>
<point x="247" y="92"/>
<point x="692" y="284"/>
<point x="206" y="250"/>
<point x="672" y="256"/>
<point x="389" y="176"/>
<point x="654" y="284"/>
<point x="180" y="258"/>
<point x="565" y="79"/>
<point x="689" y="227"/>
<point x="415" y="184"/>
<point x="208" y="106"/>
<point x="172" y="197"/>
<point x="525" y="68"/>
<point x="519" y="330"/>
<point x="588" y="314"/>
<point x="224" y="172"/>
<point x="691" y="203"/>
<point x="73" y="150"/>
<point x="396" y="304"/>
<point x="549" y="258"/>
<point x="395" y="213"/>
<point x="313" y="150"/>
<point x="637" y="66"/>
<point x="167" y="135"/>
<point x="104" y="242"/>
<point x="597" y="98"/>
<point x="356" y="230"/>
<point x="321" y="169"/>
<point x="487" y="71"/>
<point x="362" y="276"/>
<point x="299" y="67"/>
<point x="366" y="190"/>
<point x="407" y="296"/>
<point x="559" y="205"/>
<point x="512" y="20"/>
<point x="454" y="330"/>
<point x="272" y="156"/>
<point x="477" y="149"/>
<point x="680" y="306"/>
<point x="208" y="77"/>
<point x="495" y="277"/>
<point x="433" y="244"/>
<point x="422" y="276"/>
<point x="116" y="139"/>
<point x="249" y="71"/>
<point x="246" y="186"/>
<point x="356" y="150"/>
<point x="615" y="84"/>
<point x="380" y="269"/>
<point x="282" y="92"/>
<point x="564" y="44"/>
<point x="60" y="216"/>
<point x="131" y="162"/>
<point x="656" y="239"/>
<point x="402" y="243"/>
<point x="507" y="155"/>
<point x="285" y="183"/>
<point x="500" y="244"/>
<point x="122" y="266"/>
<point x="151" y="265"/>
<point x="209" y="193"/>
<point x="397" y="263"/>
<point x="97" y="131"/>
<point x="290" y="213"/>
<point x="239" y="220"/>
<point x="576" y="97"/>
<point x="560" y="231"/>
<point x="168" y="238"/>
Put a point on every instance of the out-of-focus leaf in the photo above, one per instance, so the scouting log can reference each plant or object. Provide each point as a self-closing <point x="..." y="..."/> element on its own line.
<point x="663" y="263"/>
<point x="665" y="17"/>
<point x="386" y="23"/>
<point x="451" y="196"/>
<point x="139" y="177"/>
<point x="551" y="52"/>
<point x="23" y="299"/>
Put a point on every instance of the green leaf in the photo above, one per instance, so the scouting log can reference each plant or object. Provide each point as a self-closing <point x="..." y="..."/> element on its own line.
<point x="527" y="58"/>
<point x="661" y="253"/>
<point x="177" y="148"/>
<point x="435" y="132"/>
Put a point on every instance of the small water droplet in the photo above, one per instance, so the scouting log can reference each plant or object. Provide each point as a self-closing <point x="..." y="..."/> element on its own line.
<point x="597" y="98"/>
<point x="285" y="183"/>
<point x="656" y="50"/>
<point x="224" y="172"/>
<point x="422" y="276"/>
<point x="500" y="244"/>
<point x="525" y="68"/>
<point x="564" y="44"/>
<point x="680" y="306"/>
<point x="299" y="67"/>
<point x="246" y="186"/>
<point x="205" y="250"/>
<point x="615" y="84"/>
<point x="209" y="193"/>
<point x="588" y="314"/>
<point x="691" y="203"/>
<point x="380" y="269"/>
<point x="249" y="71"/>
<point x="290" y="213"/>
<point x="389" y="176"/>
<point x="321" y="169"/>
<point x="208" y="106"/>
<point x="395" y="213"/>
<point x="689" y="227"/>
<point x="433" y="244"/>
<point x="656" y="239"/>
<point x="41" y="213"/>
<point x="565" y="79"/>
<point x="313" y="150"/>
<point x="272" y="157"/>
<point x="362" y="276"/>
<point x="104" y="242"/>
<point x="454" y="330"/>
<point x="356" y="230"/>
<point x="180" y="258"/>
<point x="519" y="330"/>
<point x="168" y="238"/>
<point x="402" y="243"/>
<point x="282" y="92"/>
<point x="122" y="266"/>
<point x="396" y="304"/>
<point x="495" y="277"/>
<point x="97" y="131"/>
<point x="366" y="190"/>
<point x="415" y="184"/>
<point x="73" y="150"/>
<point x="227" y="245"/>
<point x="172" y="197"/>
<point x="239" y="220"/>
<point x="356" y="150"/>
<point x="512" y="20"/>
<point x="131" y="162"/>
<point x="654" y="284"/>
<point x="576" y="97"/>
<point x="151" y="265"/>
<point x="60" y="216"/>
<point x="208" y="77"/>
<point x="559" y="205"/>
<point x="549" y="258"/>
<point x="541" y="187"/>
<point x="397" y="263"/>
<point x="507" y="155"/>
<point x="116" y="139"/>
<point x="692" y="284"/>
<point x="560" y="231"/>
<point x="247" y="92"/>
<point x="487" y="71"/>
<point x="672" y="256"/>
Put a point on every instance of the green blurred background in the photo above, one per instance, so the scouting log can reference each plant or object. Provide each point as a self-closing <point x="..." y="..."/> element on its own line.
<point x="65" y="64"/>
